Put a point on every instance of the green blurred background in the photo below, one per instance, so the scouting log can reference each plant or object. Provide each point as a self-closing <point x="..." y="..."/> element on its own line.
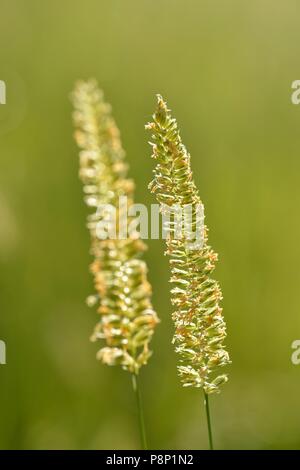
<point x="226" y="69"/>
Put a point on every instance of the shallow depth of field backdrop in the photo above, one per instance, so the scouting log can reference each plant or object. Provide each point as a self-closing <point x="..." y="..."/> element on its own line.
<point x="226" y="69"/>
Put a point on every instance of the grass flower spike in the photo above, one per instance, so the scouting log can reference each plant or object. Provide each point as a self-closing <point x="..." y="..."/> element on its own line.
<point x="123" y="294"/>
<point x="199" y="325"/>
<point x="200" y="329"/>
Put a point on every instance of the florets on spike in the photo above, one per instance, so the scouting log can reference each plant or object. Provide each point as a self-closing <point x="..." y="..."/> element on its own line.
<point x="127" y="318"/>
<point x="200" y="329"/>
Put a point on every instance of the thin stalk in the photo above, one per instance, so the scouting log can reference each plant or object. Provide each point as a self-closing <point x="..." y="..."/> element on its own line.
<point x="136" y="389"/>
<point x="206" y="403"/>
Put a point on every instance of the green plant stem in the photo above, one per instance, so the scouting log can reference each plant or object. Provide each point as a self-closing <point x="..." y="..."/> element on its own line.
<point x="136" y="389"/>
<point x="206" y="403"/>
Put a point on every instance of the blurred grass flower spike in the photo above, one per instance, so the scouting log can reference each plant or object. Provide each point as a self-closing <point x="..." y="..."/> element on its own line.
<point x="200" y="329"/>
<point x="127" y="318"/>
<point x="123" y="293"/>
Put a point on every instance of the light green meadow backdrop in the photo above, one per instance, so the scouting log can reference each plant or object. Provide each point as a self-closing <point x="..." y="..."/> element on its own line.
<point x="225" y="68"/>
